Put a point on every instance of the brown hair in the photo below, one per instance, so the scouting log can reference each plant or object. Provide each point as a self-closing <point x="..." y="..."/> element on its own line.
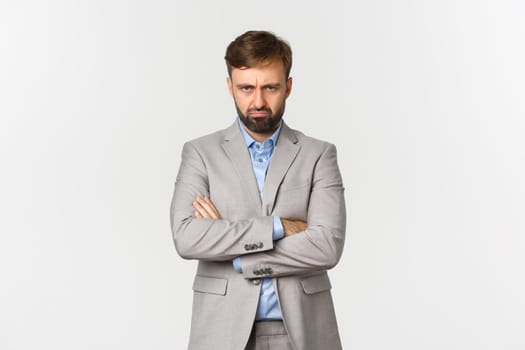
<point x="254" y="48"/>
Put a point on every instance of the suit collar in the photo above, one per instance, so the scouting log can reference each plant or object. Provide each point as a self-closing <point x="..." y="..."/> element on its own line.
<point x="236" y="150"/>
<point x="284" y="154"/>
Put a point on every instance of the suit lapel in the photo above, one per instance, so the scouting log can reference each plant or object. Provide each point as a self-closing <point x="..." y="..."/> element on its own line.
<point x="235" y="148"/>
<point x="284" y="154"/>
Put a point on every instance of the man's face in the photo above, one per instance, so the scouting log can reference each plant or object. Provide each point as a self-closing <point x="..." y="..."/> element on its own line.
<point x="259" y="94"/>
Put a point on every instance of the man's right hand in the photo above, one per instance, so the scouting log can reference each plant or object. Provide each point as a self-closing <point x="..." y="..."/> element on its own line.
<point x="291" y="227"/>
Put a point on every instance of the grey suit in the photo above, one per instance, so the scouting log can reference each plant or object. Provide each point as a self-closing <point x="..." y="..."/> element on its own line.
<point x="303" y="182"/>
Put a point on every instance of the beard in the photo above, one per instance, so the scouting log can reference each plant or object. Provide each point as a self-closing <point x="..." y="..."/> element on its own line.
<point x="262" y="125"/>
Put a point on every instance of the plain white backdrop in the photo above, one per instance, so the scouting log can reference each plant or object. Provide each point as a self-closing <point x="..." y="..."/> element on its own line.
<point x="425" y="101"/>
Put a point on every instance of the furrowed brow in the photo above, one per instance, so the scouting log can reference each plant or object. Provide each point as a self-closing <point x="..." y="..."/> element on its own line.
<point x="274" y="85"/>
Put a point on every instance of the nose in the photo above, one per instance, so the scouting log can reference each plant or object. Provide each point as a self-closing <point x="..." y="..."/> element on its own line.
<point x="258" y="99"/>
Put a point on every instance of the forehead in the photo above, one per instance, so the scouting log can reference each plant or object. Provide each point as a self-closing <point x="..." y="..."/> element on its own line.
<point x="263" y="73"/>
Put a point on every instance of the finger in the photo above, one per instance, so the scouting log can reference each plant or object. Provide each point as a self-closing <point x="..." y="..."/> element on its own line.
<point x="212" y="206"/>
<point x="197" y="214"/>
<point x="201" y="210"/>
<point x="208" y="208"/>
<point x="204" y="208"/>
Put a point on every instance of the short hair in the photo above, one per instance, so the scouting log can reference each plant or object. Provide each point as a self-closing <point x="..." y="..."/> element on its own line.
<point x="258" y="47"/>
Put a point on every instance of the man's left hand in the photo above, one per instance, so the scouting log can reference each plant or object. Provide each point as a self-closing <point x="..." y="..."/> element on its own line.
<point x="205" y="209"/>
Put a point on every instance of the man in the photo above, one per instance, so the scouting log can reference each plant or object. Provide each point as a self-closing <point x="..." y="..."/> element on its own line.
<point x="261" y="206"/>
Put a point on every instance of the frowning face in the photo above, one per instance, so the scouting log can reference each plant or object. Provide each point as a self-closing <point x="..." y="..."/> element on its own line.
<point x="259" y="94"/>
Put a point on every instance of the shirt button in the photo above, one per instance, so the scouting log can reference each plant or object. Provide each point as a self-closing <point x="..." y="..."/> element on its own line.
<point x="257" y="146"/>
<point x="260" y="160"/>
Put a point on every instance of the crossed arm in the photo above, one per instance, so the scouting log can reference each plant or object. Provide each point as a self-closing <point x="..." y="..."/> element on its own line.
<point x="205" y="209"/>
<point x="200" y="233"/>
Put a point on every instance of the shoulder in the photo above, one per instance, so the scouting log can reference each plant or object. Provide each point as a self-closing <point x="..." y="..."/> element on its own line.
<point x="213" y="139"/>
<point x="203" y="147"/>
<point x="310" y="143"/>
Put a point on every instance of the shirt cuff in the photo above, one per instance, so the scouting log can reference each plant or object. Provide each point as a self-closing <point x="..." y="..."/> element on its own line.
<point x="237" y="264"/>
<point x="278" y="230"/>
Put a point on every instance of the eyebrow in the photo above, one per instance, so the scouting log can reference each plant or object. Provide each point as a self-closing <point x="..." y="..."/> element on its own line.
<point x="276" y="85"/>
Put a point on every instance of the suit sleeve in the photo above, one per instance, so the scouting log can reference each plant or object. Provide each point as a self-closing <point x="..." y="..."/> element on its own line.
<point x="320" y="246"/>
<point x="205" y="239"/>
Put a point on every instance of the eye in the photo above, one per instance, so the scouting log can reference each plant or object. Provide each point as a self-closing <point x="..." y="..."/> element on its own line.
<point x="271" y="88"/>
<point x="246" y="88"/>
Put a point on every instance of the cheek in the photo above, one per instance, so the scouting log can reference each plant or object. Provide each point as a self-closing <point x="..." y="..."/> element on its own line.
<point x="278" y="103"/>
<point x="240" y="102"/>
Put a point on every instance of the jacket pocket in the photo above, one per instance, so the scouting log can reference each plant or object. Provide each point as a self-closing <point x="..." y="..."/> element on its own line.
<point x="316" y="283"/>
<point x="292" y="203"/>
<point x="212" y="285"/>
<point x="295" y="185"/>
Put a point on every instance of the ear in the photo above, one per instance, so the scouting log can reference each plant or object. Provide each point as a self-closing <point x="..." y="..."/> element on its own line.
<point x="288" y="87"/>
<point x="230" y="85"/>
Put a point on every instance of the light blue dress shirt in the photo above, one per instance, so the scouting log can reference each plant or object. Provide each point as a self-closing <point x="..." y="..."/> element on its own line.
<point x="261" y="154"/>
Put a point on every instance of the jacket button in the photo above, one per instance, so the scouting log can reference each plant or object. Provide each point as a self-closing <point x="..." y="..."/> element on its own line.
<point x="247" y="247"/>
<point x="259" y="245"/>
<point x="256" y="281"/>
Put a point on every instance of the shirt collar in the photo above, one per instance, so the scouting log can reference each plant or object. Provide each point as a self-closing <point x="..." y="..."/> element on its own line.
<point x="250" y="141"/>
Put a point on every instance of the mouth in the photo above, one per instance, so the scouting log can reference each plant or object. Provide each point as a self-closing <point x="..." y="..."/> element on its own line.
<point x="259" y="114"/>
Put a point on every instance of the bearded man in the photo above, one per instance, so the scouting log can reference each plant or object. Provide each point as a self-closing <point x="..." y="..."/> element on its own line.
<point x="261" y="207"/>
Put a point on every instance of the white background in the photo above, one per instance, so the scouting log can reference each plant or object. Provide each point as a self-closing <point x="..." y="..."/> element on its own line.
<point x="425" y="101"/>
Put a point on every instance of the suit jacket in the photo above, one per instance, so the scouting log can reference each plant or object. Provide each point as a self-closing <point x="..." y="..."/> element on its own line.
<point x="302" y="182"/>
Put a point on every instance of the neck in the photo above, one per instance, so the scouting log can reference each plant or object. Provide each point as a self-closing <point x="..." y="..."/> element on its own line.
<point x="258" y="136"/>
